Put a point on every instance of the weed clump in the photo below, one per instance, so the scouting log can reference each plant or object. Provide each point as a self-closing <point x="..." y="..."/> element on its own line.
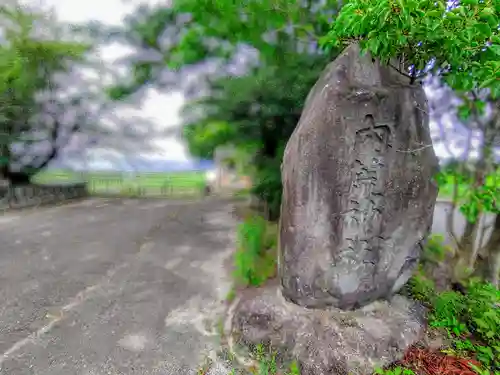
<point x="255" y="258"/>
<point x="469" y="317"/>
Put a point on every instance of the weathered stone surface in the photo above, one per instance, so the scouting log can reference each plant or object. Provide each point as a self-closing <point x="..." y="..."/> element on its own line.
<point x="330" y="341"/>
<point x="35" y="195"/>
<point x="358" y="194"/>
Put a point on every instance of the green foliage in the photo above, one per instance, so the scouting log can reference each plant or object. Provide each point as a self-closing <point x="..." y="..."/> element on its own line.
<point x="473" y="199"/>
<point x="449" y="178"/>
<point x="217" y="30"/>
<point x="482" y="318"/>
<point x="448" y="307"/>
<point x="267" y="363"/>
<point x="435" y="250"/>
<point x="462" y="42"/>
<point x="257" y="110"/>
<point x="268" y="185"/>
<point x="294" y="368"/>
<point x="257" y="114"/>
<point x="421" y="288"/>
<point x="476" y="313"/>
<point x="483" y="371"/>
<point x="483" y="312"/>
<point x="398" y="370"/>
<point x="26" y="59"/>
<point x="204" y="137"/>
<point x="255" y="258"/>
<point x="458" y="43"/>
<point x="482" y="198"/>
<point x="28" y="66"/>
<point x="471" y="319"/>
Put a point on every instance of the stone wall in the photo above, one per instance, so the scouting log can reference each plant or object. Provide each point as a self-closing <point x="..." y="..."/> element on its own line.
<point x="37" y="195"/>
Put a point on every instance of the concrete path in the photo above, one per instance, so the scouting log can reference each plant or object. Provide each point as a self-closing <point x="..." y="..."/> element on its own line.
<point x="112" y="286"/>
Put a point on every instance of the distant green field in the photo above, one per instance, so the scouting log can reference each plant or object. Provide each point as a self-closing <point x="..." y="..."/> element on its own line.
<point x="129" y="183"/>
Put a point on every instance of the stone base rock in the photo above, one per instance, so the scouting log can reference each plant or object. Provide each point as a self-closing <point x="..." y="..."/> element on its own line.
<point x="329" y="342"/>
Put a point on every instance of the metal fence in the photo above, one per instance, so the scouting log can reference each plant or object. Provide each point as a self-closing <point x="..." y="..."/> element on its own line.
<point x="111" y="189"/>
<point x="157" y="186"/>
<point x="139" y="185"/>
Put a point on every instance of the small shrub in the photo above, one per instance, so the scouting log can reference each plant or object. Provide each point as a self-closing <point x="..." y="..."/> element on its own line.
<point x="421" y="288"/>
<point x="471" y="318"/>
<point x="482" y="315"/>
<point x="448" y="309"/>
<point x="429" y="276"/>
<point x="267" y="182"/>
<point x="483" y="311"/>
<point x="268" y="364"/>
<point x="435" y="250"/>
<point x="395" y="371"/>
<point x="267" y="361"/>
<point x="255" y="258"/>
<point x="294" y="368"/>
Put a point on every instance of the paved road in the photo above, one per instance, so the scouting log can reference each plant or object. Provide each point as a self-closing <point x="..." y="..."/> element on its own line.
<point x="111" y="287"/>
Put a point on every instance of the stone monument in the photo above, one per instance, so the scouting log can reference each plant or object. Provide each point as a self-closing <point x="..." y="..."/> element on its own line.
<point x="359" y="194"/>
<point x="358" y="200"/>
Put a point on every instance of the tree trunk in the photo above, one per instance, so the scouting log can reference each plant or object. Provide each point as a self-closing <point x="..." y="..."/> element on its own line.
<point x="468" y="240"/>
<point x="488" y="263"/>
<point x="465" y="253"/>
<point x="466" y="256"/>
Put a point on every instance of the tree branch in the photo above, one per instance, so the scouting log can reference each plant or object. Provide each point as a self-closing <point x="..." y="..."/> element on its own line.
<point x="416" y="149"/>
<point x="412" y="77"/>
<point x="400" y="71"/>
